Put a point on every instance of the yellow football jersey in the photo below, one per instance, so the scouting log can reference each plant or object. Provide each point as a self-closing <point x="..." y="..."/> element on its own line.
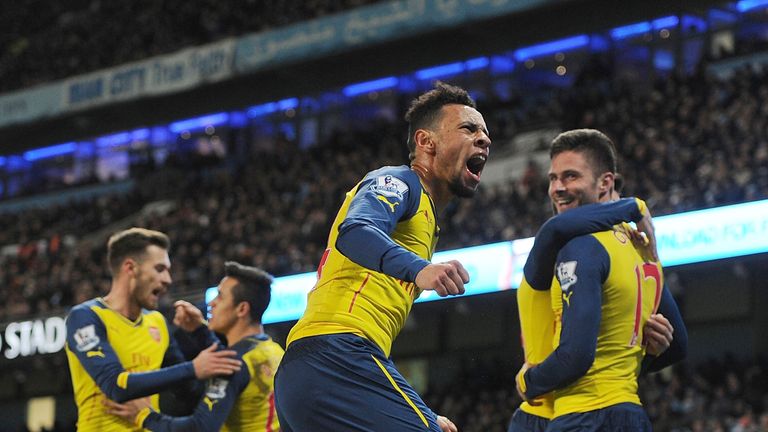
<point x="350" y="298"/>
<point x="97" y="332"/>
<point x="541" y="310"/>
<point x="630" y="294"/>
<point x="254" y="409"/>
<point x="537" y="327"/>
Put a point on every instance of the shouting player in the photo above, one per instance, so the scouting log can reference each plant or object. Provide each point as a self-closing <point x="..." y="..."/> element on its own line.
<point x="117" y="344"/>
<point x="336" y="374"/>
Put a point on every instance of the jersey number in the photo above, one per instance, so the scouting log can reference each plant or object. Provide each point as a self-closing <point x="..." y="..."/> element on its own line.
<point x="648" y="271"/>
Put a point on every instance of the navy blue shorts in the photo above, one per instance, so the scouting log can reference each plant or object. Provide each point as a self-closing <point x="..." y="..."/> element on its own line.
<point x="343" y="383"/>
<point x="623" y="417"/>
<point x="525" y="422"/>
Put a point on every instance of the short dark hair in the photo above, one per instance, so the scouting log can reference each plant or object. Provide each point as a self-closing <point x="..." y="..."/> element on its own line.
<point x="425" y="109"/>
<point x="598" y="148"/>
<point x="254" y="286"/>
<point x="133" y="243"/>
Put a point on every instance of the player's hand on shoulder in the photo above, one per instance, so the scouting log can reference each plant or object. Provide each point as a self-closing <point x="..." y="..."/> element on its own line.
<point x="210" y="362"/>
<point x="446" y="425"/>
<point x="645" y="235"/>
<point x="445" y="279"/>
<point x="657" y="334"/>
<point x="187" y="317"/>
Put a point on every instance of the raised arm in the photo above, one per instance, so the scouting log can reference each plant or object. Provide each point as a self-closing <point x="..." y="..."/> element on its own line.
<point x="560" y="229"/>
<point x="192" y="334"/>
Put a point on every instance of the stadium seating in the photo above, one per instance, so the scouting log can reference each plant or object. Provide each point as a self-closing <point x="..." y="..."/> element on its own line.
<point x="60" y="41"/>
<point x="686" y="142"/>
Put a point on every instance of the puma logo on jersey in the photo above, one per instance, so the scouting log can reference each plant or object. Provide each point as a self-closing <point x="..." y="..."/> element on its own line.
<point x="384" y="200"/>
<point x="567" y="298"/>
<point x="208" y="401"/>
<point x="215" y="391"/>
<point x="95" y="353"/>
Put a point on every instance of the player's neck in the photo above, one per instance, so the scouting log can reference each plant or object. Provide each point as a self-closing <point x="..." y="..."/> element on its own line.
<point x="241" y="330"/>
<point x="438" y="191"/>
<point x="119" y="301"/>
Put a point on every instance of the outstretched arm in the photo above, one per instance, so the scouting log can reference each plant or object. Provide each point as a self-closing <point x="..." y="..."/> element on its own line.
<point x="560" y="229"/>
<point x="209" y="415"/>
<point x="87" y="339"/>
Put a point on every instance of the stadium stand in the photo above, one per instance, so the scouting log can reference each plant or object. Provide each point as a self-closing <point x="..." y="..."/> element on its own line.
<point x="687" y="141"/>
<point x="59" y="40"/>
<point x="262" y="218"/>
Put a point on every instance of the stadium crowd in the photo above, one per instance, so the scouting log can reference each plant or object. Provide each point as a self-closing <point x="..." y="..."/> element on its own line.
<point x="60" y="40"/>
<point x="690" y="143"/>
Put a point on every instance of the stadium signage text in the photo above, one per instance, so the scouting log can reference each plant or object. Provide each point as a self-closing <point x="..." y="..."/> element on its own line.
<point x="40" y="336"/>
<point x="218" y="61"/>
<point x="363" y="26"/>
<point x="165" y="74"/>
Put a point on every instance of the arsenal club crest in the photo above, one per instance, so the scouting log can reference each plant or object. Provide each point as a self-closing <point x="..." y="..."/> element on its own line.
<point x="155" y="333"/>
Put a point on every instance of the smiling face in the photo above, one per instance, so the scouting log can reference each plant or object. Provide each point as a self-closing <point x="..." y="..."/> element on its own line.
<point x="462" y="148"/>
<point x="151" y="277"/>
<point x="573" y="182"/>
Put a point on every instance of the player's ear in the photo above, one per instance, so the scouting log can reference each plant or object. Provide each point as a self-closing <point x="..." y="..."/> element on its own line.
<point x="243" y="309"/>
<point x="605" y="185"/>
<point x="424" y="141"/>
<point x="129" y="266"/>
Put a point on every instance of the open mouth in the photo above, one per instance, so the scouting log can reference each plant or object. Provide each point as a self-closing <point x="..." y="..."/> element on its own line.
<point x="475" y="165"/>
<point x="563" y="203"/>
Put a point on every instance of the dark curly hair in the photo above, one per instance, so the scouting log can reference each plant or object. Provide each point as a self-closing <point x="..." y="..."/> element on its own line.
<point x="425" y="109"/>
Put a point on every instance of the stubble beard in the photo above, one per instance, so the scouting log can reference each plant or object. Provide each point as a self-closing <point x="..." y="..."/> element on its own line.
<point x="146" y="292"/>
